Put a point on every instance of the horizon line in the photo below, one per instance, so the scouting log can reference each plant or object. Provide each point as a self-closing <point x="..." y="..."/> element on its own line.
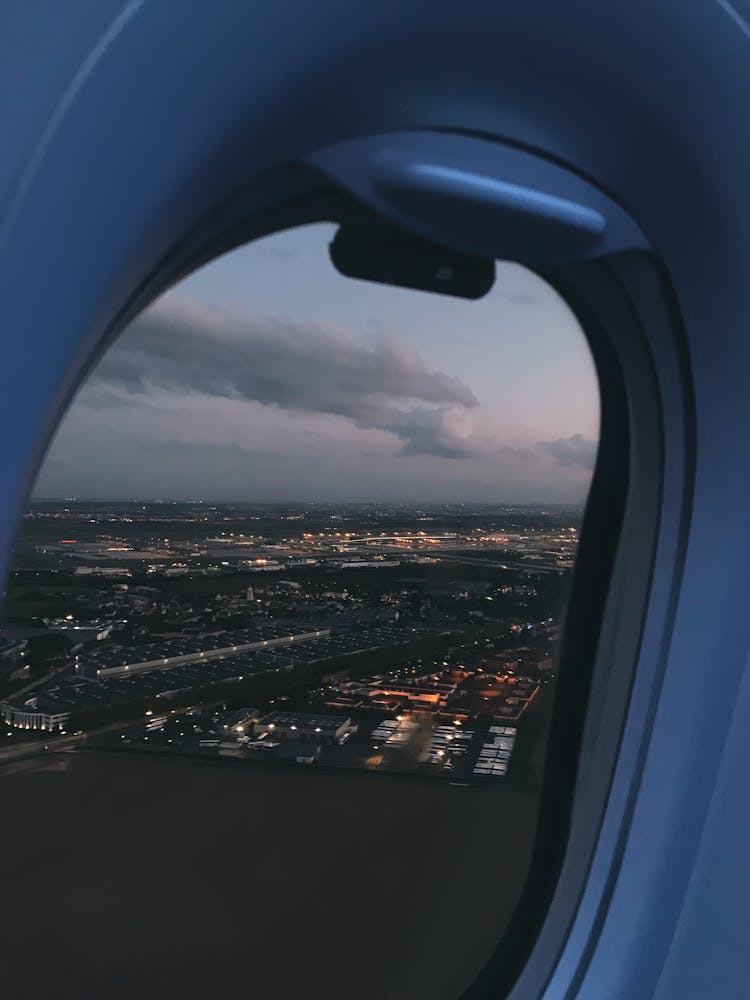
<point x="423" y="502"/>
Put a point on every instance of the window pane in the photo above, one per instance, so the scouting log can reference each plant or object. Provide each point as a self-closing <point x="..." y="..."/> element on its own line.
<point x="291" y="586"/>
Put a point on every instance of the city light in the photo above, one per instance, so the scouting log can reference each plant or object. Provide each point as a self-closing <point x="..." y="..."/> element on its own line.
<point x="385" y="660"/>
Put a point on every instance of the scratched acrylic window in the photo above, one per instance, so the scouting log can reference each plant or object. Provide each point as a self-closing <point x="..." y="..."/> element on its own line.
<point x="284" y="613"/>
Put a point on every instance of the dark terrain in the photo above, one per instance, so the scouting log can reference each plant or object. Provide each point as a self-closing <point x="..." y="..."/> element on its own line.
<point x="175" y="879"/>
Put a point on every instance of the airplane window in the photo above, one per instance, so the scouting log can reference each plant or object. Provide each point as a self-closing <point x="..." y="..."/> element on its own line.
<point x="279" y="644"/>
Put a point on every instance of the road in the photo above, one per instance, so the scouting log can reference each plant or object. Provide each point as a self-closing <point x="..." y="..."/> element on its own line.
<point x="56" y="741"/>
<point x="533" y="567"/>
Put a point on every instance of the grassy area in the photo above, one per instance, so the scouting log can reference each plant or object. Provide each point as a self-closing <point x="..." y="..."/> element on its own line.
<point x="225" y="881"/>
<point x="371" y="579"/>
<point x="24" y="611"/>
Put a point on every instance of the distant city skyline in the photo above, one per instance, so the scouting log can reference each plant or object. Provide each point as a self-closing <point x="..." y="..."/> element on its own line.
<point x="557" y="505"/>
<point x="268" y="377"/>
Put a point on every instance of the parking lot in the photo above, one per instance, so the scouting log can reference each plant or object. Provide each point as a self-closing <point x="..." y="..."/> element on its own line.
<point x="351" y="643"/>
<point x="392" y="745"/>
<point x="79" y="693"/>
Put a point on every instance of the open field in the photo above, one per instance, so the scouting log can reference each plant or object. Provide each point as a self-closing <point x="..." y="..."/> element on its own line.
<point x="160" y="878"/>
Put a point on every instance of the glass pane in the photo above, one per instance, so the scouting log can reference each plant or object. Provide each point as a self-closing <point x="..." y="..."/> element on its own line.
<point x="281" y="633"/>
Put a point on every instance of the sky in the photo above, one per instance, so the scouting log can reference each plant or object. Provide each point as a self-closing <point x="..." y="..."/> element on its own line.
<point x="268" y="376"/>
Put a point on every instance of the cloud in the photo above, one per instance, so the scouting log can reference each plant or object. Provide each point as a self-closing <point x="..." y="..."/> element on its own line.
<point x="177" y="448"/>
<point x="574" y="450"/>
<point x="186" y="347"/>
<point x="453" y="432"/>
<point x="446" y="431"/>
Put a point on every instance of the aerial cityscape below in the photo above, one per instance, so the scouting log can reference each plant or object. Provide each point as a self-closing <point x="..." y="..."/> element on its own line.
<point x="325" y="694"/>
<point x="383" y="638"/>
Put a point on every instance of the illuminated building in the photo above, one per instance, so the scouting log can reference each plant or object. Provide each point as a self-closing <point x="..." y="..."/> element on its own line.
<point x="304" y="726"/>
<point x="38" y="712"/>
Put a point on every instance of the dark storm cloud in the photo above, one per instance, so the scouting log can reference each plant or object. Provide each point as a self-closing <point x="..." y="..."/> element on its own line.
<point x="574" y="450"/>
<point x="184" y="346"/>
<point x="435" y="432"/>
<point x="450" y="432"/>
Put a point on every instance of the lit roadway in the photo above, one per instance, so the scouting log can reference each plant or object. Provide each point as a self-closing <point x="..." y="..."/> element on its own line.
<point x="56" y="741"/>
<point x="29" y="748"/>
<point x="389" y="545"/>
<point x="529" y="567"/>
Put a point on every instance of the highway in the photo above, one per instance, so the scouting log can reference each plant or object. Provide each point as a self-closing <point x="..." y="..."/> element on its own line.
<point x="528" y="567"/>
